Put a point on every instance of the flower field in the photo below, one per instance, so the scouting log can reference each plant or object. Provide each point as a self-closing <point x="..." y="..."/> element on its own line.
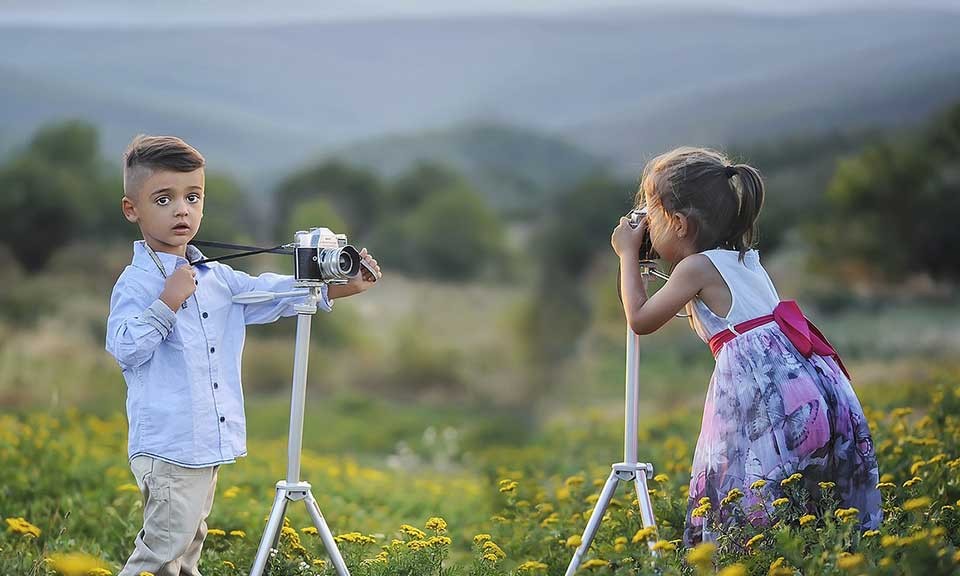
<point x="69" y="506"/>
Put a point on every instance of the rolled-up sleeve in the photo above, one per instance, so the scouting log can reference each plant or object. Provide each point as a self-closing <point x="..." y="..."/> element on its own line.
<point x="136" y="326"/>
<point x="272" y="310"/>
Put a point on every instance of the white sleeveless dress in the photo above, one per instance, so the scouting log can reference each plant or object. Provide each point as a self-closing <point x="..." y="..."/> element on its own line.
<point x="771" y="412"/>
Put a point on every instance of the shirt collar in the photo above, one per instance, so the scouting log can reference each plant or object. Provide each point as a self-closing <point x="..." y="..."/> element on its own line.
<point x="142" y="258"/>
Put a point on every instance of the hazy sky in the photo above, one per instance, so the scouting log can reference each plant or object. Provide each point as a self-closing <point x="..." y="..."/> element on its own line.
<point x="125" y="11"/>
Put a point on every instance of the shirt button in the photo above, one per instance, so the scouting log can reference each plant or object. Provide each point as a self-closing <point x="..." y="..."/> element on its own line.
<point x="204" y="314"/>
<point x="215" y="385"/>
<point x="212" y="349"/>
<point x="222" y="419"/>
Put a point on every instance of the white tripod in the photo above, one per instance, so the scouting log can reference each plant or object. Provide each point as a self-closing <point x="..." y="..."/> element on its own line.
<point x="292" y="489"/>
<point x="629" y="469"/>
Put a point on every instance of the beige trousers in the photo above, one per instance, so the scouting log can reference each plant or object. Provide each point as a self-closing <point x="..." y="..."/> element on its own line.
<point x="176" y="503"/>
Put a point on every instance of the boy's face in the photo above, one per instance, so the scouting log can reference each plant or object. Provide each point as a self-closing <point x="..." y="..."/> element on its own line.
<point x="168" y="206"/>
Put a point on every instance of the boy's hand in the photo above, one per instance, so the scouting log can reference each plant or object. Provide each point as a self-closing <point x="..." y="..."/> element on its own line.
<point x="626" y="239"/>
<point x="179" y="286"/>
<point x="359" y="283"/>
<point x="364" y="280"/>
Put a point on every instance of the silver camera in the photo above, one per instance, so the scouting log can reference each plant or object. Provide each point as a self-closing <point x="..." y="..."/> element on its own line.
<point x="320" y="255"/>
<point x="647" y="251"/>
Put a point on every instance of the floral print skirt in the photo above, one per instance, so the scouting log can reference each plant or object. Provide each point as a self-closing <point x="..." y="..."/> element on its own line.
<point x="771" y="413"/>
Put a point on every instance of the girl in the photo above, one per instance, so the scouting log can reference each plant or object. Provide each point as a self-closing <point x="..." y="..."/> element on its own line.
<point x="779" y="401"/>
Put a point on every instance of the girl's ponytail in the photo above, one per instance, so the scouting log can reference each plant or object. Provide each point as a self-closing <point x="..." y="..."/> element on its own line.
<point x="750" y="191"/>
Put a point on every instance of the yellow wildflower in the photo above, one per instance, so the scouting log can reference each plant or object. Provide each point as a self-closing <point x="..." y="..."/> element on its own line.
<point x="796" y="477"/>
<point x="661" y="478"/>
<point x="755" y="540"/>
<point x="595" y="563"/>
<point x="643" y="534"/>
<point x="912" y="482"/>
<point x="733" y="570"/>
<point x="871" y="533"/>
<point x="74" y="563"/>
<point x="437" y="524"/>
<point x="491" y="558"/>
<point x="886" y="485"/>
<point x="702" y="555"/>
<point x="412" y="531"/>
<point x="826" y="485"/>
<point x="226" y="563"/>
<point x="490" y="547"/>
<point x="480" y="539"/>
<point x="238" y="533"/>
<point x="917" y="503"/>
<point x="20" y="526"/>
<point x="848" y="561"/>
<point x="216" y="532"/>
<point x="806" y="519"/>
<point x="758" y="485"/>
<point x="573" y="541"/>
<point x="574" y="481"/>
<point x="781" y="501"/>
<point x="231" y="492"/>
<point x="732" y="497"/>
<point x="531" y="565"/>
<point x="664" y="546"/>
<point x="128" y="487"/>
<point x="508" y="486"/>
<point x="844" y="514"/>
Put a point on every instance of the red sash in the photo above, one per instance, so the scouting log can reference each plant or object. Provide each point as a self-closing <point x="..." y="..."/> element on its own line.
<point x="799" y="330"/>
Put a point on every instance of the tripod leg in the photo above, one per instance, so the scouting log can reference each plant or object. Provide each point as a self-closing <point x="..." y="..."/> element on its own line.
<point x="328" y="542"/>
<point x="283" y="513"/>
<point x="270" y="533"/>
<point x="646" y="505"/>
<point x="594" y="523"/>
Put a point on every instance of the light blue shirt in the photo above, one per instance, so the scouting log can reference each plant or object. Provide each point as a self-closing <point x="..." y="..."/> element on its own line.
<point x="184" y="397"/>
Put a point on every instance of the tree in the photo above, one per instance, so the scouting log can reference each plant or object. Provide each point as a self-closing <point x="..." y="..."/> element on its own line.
<point x="895" y="207"/>
<point x="41" y="214"/>
<point x="354" y="193"/>
<point x="226" y="210"/>
<point x="53" y="191"/>
<point x="453" y="235"/>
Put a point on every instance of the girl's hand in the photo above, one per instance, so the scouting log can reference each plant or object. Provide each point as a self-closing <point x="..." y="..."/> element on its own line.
<point x="626" y="239"/>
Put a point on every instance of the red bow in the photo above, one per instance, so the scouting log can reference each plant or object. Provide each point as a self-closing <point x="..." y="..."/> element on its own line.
<point x="801" y="332"/>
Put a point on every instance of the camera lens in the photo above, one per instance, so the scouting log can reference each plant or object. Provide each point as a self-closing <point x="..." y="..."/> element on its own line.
<point x="339" y="264"/>
<point x="345" y="262"/>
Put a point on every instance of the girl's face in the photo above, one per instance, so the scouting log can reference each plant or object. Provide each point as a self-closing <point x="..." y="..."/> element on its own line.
<point x="669" y="233"/>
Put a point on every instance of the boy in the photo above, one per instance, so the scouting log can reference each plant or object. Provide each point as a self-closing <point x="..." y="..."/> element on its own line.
<point x="178" y="338"/>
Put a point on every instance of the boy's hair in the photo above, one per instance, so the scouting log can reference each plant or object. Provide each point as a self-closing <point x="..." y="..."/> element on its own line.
<point x="148" y="153"/>
<point x="722" y="200"/>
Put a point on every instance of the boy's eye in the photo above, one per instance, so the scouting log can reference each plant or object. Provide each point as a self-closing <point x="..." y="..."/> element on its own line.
<point x="162" y="201"/>
<point x="193" y="198"/>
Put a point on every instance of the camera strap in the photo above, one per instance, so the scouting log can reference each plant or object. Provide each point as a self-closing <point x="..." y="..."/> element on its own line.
<point x="247" y="250"/>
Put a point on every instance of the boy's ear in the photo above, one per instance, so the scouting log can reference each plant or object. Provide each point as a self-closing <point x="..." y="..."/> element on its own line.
<point x="129" y="209"/>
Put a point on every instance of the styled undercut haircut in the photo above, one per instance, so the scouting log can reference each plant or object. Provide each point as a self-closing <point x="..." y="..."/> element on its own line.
<point x="145" y="154"/>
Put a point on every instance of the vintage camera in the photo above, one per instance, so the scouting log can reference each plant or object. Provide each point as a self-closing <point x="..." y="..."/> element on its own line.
<point x="646" y="246"/>
<point x="320" y="255"/>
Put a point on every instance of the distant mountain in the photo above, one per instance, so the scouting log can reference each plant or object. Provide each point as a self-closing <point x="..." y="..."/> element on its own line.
<point x="262" y="99"/>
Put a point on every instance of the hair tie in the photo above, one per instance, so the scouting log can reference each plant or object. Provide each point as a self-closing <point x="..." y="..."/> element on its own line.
<point x="731" y="171"/>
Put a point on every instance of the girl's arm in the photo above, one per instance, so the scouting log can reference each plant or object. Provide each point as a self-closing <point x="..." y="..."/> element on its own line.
<point x="645" y="315"/>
